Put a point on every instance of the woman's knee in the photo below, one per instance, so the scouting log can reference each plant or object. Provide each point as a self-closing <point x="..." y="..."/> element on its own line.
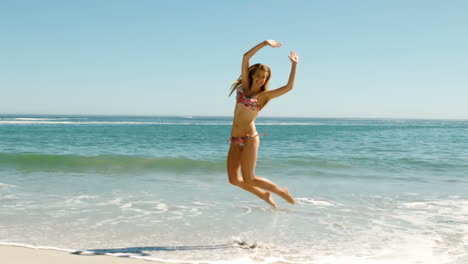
<point x="234" y="178"/>
<point x="248" y="179"/>
<point x="235" y="181"/>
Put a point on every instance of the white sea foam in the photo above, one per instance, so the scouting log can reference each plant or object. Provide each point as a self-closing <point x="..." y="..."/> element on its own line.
<point x="161" y="207"/>
<point x="80" y="199"/>
<point x="54" y="122"/>
<point x="288" y="124"/>
<point x="6" y="186"/>
<point x="315" y="202"/>
<point x="453" y="206"/>
<point x="127" y="205"/>
<point x="76" y="123"/>
<point x="38" y="119"/>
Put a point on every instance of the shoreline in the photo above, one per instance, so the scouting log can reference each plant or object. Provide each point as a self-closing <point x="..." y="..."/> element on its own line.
<point x="24" y="254"/>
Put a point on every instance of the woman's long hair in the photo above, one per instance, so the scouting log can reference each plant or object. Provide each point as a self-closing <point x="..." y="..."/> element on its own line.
<point x="252" y="70"/>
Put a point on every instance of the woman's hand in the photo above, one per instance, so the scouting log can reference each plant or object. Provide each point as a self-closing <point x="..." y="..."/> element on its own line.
<point x="293" y="57"/>
<point x="273" y="43"/>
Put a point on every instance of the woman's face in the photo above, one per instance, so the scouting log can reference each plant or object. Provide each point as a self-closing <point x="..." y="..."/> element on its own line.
<point x="259" y="78"/>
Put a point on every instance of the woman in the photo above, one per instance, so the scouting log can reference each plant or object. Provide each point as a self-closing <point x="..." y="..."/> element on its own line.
<point x="252" y="96"/>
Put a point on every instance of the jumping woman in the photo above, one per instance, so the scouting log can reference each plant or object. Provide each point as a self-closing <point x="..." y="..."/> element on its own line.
<point x="252" y="96"/>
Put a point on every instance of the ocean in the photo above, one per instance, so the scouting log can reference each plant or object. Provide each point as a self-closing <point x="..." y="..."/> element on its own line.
<point x="368" y="191"/>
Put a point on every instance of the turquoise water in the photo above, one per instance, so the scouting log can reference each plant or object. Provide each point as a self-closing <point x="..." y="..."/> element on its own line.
<point x="368" y="191"/>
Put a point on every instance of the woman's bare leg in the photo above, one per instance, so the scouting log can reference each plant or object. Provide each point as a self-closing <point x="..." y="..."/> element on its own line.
<point x="233" y="169"/>
<point x="248" y="161"/>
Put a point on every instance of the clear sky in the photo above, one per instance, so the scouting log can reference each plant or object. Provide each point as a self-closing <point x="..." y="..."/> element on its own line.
<point x="371" y="59"/>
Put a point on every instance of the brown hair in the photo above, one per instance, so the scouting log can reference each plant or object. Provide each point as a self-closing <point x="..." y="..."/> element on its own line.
<point x="252" y="70"/>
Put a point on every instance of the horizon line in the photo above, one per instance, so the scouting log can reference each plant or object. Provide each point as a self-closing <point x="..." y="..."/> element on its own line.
<point x="224" y="116"/>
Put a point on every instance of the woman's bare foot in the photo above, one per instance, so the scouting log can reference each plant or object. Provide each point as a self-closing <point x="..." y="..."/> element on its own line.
<point x="286" y="196"/>
<point x="269" y="200"/>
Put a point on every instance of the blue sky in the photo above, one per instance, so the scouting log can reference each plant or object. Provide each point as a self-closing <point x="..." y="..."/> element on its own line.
<point x="371" y="59"/>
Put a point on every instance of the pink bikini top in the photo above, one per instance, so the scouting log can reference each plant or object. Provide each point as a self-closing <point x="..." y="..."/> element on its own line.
<point x="249" y="102"/>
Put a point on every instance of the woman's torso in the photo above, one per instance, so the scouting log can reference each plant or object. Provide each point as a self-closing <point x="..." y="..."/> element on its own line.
<point x="245" y="113"/>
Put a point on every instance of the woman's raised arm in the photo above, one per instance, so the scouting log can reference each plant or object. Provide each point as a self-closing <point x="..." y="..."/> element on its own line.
<point x="249" y="54"/>
<point x="288" y="87"/>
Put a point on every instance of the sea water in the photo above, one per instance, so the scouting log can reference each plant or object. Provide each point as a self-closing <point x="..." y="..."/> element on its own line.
<point x="367" y="191"/>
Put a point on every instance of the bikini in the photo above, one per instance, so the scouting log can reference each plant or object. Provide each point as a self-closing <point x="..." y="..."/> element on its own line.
<point x="249" y="102"/>
<point x="252" y="104"/>
<point x="240" y="141"/>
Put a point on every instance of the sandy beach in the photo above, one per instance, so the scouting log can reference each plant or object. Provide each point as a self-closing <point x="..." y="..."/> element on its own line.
<point x="25" y="255"/>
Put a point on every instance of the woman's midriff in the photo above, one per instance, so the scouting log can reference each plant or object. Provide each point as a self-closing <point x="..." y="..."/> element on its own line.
<point x="241" y="130"/>
<point x="244" y="121"/>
